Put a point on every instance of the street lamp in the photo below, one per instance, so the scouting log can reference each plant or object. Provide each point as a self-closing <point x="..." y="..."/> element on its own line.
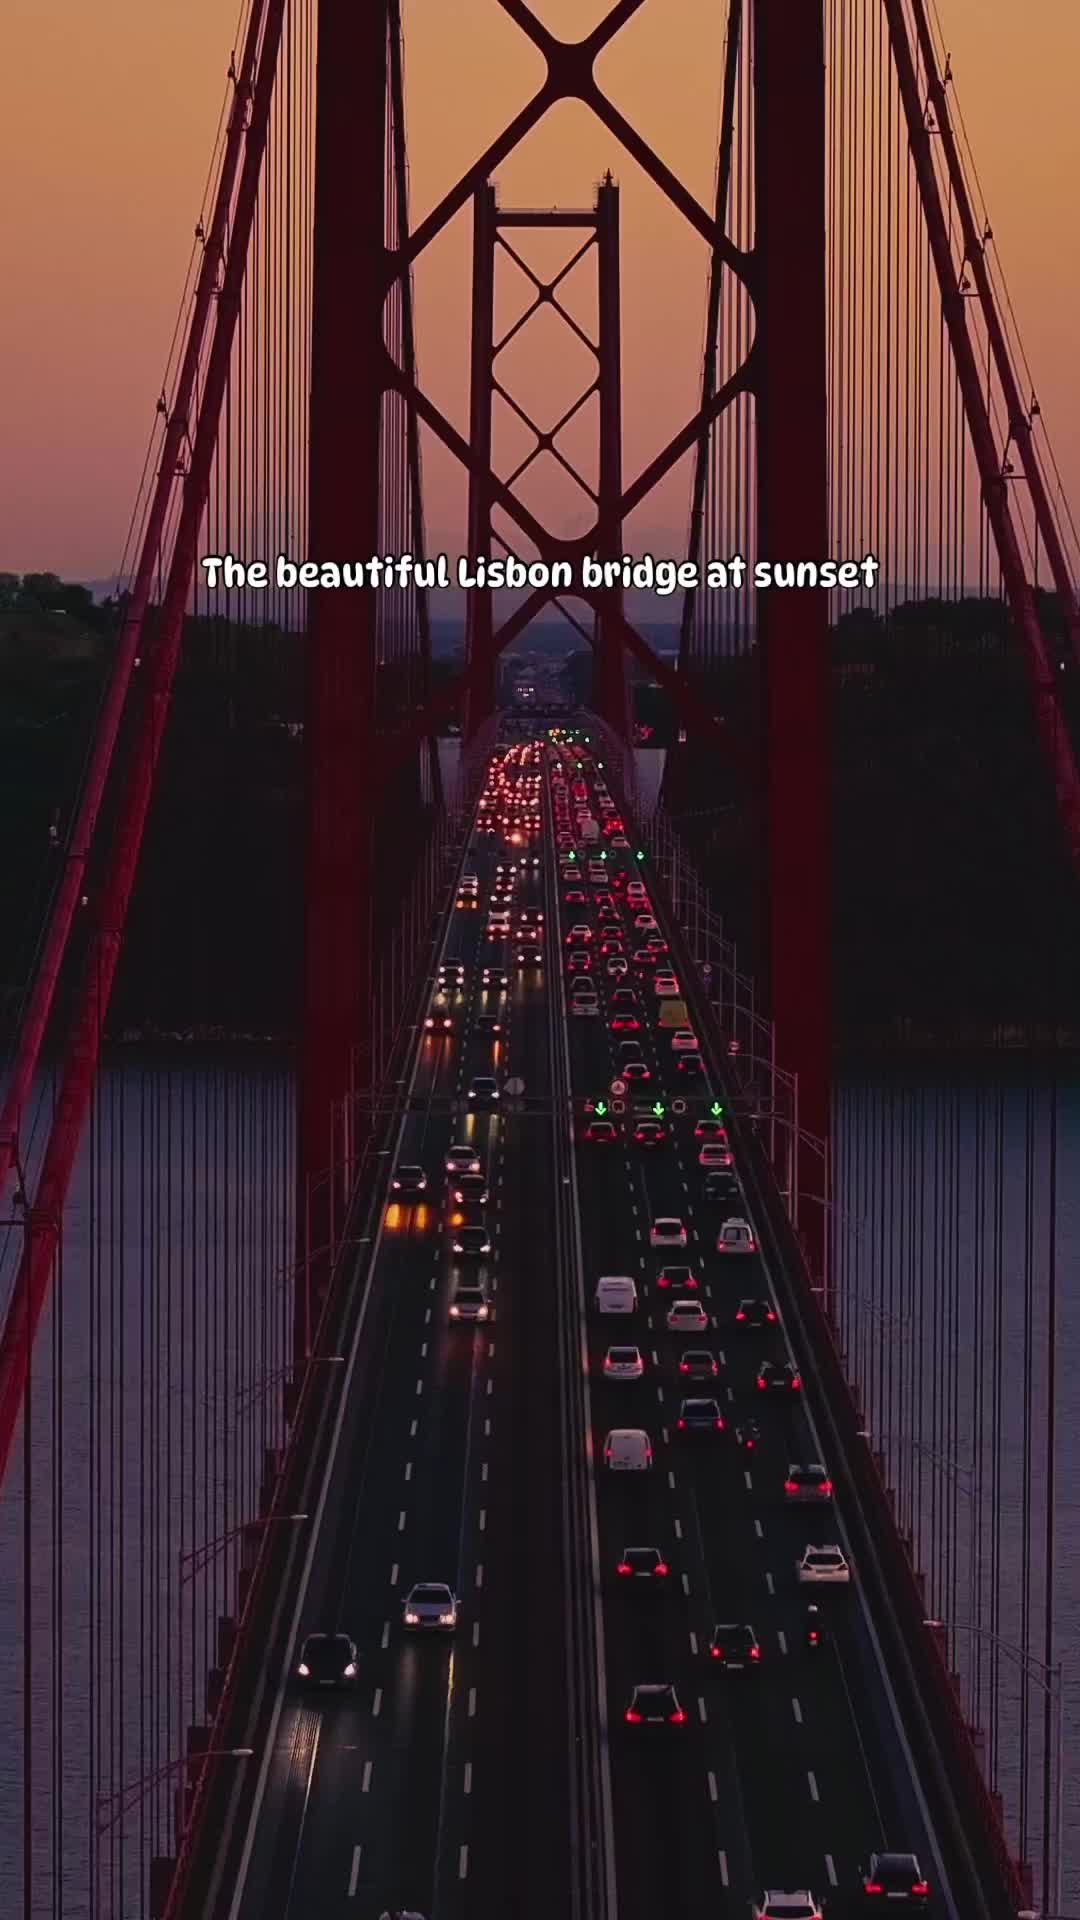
<point x="130" y="1796"/>
<point x="196" y="1558"/>
<point x="1051" y="1682"/>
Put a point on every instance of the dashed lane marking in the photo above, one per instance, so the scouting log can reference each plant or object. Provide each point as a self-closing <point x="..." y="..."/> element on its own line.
<point x="354" y="1872"/>
<point x="811" y="1781"/>
<point x="693" y="1641"/>
<point x="479" y="1573"/>
<point x="678" y="1529"/>
<point x="749" y="1481"/>
<point x="782" y="1637"/>
<point x="714" y="1793"/>
<point x="376" y="1703"/>
<point x="419" y="1386"/>
<point x="427" y="1316"/>
<point x="472" y="1703"/>
<point x="468" y="1776"/>
<point x="830" y="1869"/>
<point x="796" y="1710"/>
<point x="686" y="1583"/>
<point x="483" y="1519"/>
<point x="702" y="1714"/>
<point x="484" y="1470"/>
<point x="476" y="1633"/>
<point x="413" y="1425"/>
<point x="394" y="1574"/>
<point x="769" y="1583"/>
<point x="722" y="1857"/>
<point x="401" y="1521"/>
<point x="463" y="1863"/>
<point x="408" y="1469"/>
<point x="671" y="1479"/>
<point x="385" y="1641"/>
<point x="365" y="1784"/>
<point x="423" y="1350"/>
<point x="759" y="1529"/>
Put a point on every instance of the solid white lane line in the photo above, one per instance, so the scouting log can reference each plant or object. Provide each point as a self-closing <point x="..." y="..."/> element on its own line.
<point x="365" y="1784"/>
<point x="814" y="1795"/>
<point x="796" y="1710"/>
<point x="354" y="1872"/>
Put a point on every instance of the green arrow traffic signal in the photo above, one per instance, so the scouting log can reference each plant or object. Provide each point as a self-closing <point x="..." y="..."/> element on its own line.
<point x="639" y="855"/>
<point x="716" y="1109"/>
<point x="658" y="1108"/>
<point x="600" y="1107"/>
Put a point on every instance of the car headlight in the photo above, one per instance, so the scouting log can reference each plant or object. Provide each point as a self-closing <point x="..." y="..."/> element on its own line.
<point x="455" y="1313"/>
<point x="412" y="1619"/>
<point x="396" y="1185"/>
<point x="304" y="1671"/>
<point x="350" y="1671"/>
<point x="482" y="1314"/>
<point x="446" y="1619"/>
<point x="457" y="1246"/>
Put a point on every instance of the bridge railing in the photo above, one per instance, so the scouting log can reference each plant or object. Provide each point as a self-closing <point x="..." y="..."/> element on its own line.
<point x="969" y="1824"/>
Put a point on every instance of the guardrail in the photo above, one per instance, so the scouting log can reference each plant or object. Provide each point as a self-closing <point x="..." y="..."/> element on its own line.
<point x="966" y="1820"/>
<point x="211" y="1833"/>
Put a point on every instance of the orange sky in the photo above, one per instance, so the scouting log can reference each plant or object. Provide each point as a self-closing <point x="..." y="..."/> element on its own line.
<point x="106" y="140"/>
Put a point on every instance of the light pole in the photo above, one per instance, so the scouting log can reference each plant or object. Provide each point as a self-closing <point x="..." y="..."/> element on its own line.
<point x="1051" y="1682"/>
<point x="130" y="1796"/>
<point x="194" y="1559"/>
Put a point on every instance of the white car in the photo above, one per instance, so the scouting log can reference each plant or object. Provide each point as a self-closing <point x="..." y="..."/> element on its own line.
<point x="666" y="986"/>
<point x="582" y="1006"/>
<point x="617" y="967"/>
<point x="623" y="1363"/>
<point x="687" y="1316"/>
<point x="713" y="1153"/>
<point x="430" y="1605"/>
<point x="628" y="1450"/>
<point x="823" y="1565"/>
<point x="645" y="922"/>
<point x="736" y="1236"/>
<point x="667" y="1232"/>
<point x="470" y="1302"/>
<point x="462" y="1160"/>
<point x="683" y="1041"/>
<point x="773" y="1905"/>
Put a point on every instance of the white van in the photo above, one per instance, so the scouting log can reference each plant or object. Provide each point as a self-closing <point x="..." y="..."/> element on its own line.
<point x="615" y="1294"/>
<point x="628" y="1450"/>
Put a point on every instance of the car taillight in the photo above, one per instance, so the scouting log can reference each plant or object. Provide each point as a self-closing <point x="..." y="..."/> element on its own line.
<point x="625" y="1567"/>
<point x="719" y="1426"/>
<point x="632" y="1716"/>
<point x="762" y="1384"/>
<point x="791" y="1486"/>
<point x="740" y="1315"/>
<point x="921" y="1887"/>
<point x="755" y="1653"/>
<point x="870" y="1886"/>
<point x="684" y="1366"/>
<point x="717" y="1653"/>
<point x="661" y="1567"/>
<point x="677" y="1717"/>
<point x="682" y="1423"/>
<point x="796" y="1382"/>
<point x="826" y="1486"/>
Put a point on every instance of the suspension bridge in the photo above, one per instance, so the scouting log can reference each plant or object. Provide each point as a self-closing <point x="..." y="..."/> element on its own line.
<point x="241" y="1399"/>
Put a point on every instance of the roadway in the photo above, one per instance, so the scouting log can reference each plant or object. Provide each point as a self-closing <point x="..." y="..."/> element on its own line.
<point x="790" y="1774"/>
<point x="406" y="1790"/>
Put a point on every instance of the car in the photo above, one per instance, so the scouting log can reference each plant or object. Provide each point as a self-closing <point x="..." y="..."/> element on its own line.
<point x="579" y="961"/>
<point x="328" y="1660"/>
<point x="430" y="1605"/>
<point x="628" y="1450"/>
<point x="711" y="1130"/>
<point x="467" y="1216"/>
<point x="699" y="1416"/>
<point x="616" y="967"/>
<point x="645" y="923"/>
<point x="470" y="1189"/>
<point x="452" y="973"/>
<point x="575" y="897"/>
<point x="734" y="1648"/>
<point x="620" y="841"/>
<point x="754" y="1315"/>
<point x="683" y="1041"/>
<point x="681" y="1279"/>
<point x="808" y="1483"/>
<point x="712" y="1153"/>
<point x="623" y="1021"/>
<point x="602" y="1133"/>
<point x="483" y="1090"/>
<point x="665" y="983"/>
<point x="487" y="1023"/>
<point x="615" y="1293"/>
<point x="578" y="936"/>
<point x="656" y="943"/>
<point x="667" y="1231"/>
<point x="822" y="1566"/>
<point x="748" y="1436"/>
<point x="529" y="957"/>
<point x="467" y="900"/>
<point x="687" y="1316"/>
<point x="655" y="1705"/>
<point x="494" y="977"/>
<point x="462" y="1160"/>
<point x="584" y="1006"/>
<point x="635" y="1070"/>
<point x="625" y="999"/>
<point x="778" y="1377"/>
<point x="893" y="1879"/>
<point x="408" y="1181"/>
<point x="721" y="1184"/>
<point x="642" y="1563"/>
<point x="439" y="1023"/>
<point x="774" y="1905"/>
<point x="649" y="1133"/>
<point x="643" y="960"/>
<point x="698" y="1363"/>
<point x="470" y="1302"/>
<point x="690" y="1065"/>
<point x="736" y="1237"/>
<point x="623" y="1363"/>
<point x="471" y="1243"/>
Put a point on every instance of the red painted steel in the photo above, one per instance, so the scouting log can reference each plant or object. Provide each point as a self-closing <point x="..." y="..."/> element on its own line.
<point x="343" y="787"/>
<point x="479" y="653"/>
<point x="1049" y="722"/>
<point x="34" y="1274"/>
<point x="975" y="261"/>
<point x="36" y="1018"/>
<point x="612" y="694"/>
<point x="793" y="626"/>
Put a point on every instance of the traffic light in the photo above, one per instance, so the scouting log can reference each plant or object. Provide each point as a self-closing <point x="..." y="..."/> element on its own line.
<point x="716" y="1109"/>
<point x="600" y="1107"/>
<point x="640" y="854"/>
<point x="658" y="1108"/>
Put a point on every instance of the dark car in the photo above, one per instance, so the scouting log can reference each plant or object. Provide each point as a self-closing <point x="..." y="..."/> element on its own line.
<point x="625" y="999"/>
<point x="697" y="1363"/>
<point x="680" y="1279"/>
<point x="748" y="1436"/>
<point x="327" y="1660"/>
<point x="700" y="1417"/>
<point x="530" y="957"/>
<point x="634" y="1070"/>
<point x="603" y="1133"/>
<point x="487" y="1023"/>
<point x="627" y="1050"/>
<point x="734" y="1648"/>
<point x="654" y="1706"/>
<point x="721" y="1184"/>
<point x="649" y="1133"/>
<point x="642" y="1565"/>
<point x="469" y="1189"/>
<point x="690" y="1065"/>
<point x="778" y="1376"/>
<point x="892" y="1880"/>
<point x="409" y="1182"/>
<point x="754" y="1315"/>
<point x="471" y="1243"/>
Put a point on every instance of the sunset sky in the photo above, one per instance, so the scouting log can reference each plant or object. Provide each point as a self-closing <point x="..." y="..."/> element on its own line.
<point x="107" y="135"/>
